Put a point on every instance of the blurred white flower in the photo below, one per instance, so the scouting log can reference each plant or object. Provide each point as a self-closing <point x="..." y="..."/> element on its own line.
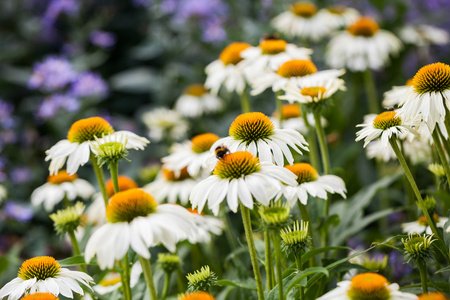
<point x="163" y="122"/>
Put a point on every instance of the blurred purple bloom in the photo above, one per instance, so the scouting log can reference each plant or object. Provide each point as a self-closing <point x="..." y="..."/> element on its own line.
<point x="143" y="3"/>
<point x="398" y="266"/>
<point x="102" y="39"/>
<point x="3" y="161"/>
<point x="50" y="106"/>
<point x="8" y="136"/>
<point x="19" y="212"/>
<point x="57" y="7"/>
<point x="20" y="175"/>
<point x="203" y="9"/>
<point x="53" y="74"/>
<point x="169" y="6"/>
<point x="6" y="118"/>
<point x="89" y="84"/>
<point x="213" y="31"/>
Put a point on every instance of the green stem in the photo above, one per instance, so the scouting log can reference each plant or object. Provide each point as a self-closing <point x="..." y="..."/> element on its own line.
<point x="441" y="153"/>
<point x="371" y="92"/>
<point x="76" y="248"/>
<point x="114" y="170"/>
<point x="423" y="275"/>
<point x="313" y="156"/>
<point x="269" y="262"/>
<point x="180" y="281"/>
<point x="100" y="178"/>
<point x="246" y="220"/>
<point x="166" y="285"/>
<point x="277" y="247"/>
<point x="125" y="277"/>
<point x="245" y="102"/>
<point x="298" y="263"/>
<point x="322" y="142"/>
<point x="147" y="270"/>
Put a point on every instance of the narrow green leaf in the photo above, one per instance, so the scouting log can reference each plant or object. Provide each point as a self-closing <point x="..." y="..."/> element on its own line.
<point x="249" y="284"/>
<point x="317" y="251"/>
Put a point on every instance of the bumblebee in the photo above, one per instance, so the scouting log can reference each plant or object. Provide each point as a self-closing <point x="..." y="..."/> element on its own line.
<point x="221" y="151"/>
<point x="389" y="108"/>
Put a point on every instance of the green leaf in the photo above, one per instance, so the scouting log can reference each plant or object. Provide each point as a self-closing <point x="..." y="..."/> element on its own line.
<point x="298" y="277"/>
<point x="3" y="264"/>
<point x="77" y="260"/>
<point x="445" y="269"/>
<point x="317" y="251"/>
<point x="249" y="284"/>
<point x="447" y="233"/>
<point x="273" y="293"/>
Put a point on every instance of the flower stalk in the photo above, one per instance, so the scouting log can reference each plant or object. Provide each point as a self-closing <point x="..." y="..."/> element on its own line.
<point x="100" y="178"/>
<point x="147" y="270"/>
<point x="269" y="262"/>
<point x="277" y="247"/>
<point x="371" y="92"/>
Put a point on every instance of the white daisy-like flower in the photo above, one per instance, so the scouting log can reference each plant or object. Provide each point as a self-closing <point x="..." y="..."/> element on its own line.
<point x="196" y="101"/>
<point x="162" y="122"/>
<point x="77" y="148"/>
<point x="421" y="225"/>
<point x="192" y="154"/>
<point x="303" y="20"/>
<point x="291" y="118"/>
<point x="367" y="286"/>
<point x="95" y="213"/>
<point x="271" y="54"/>
<point x="135" y="220"/>
<point x="240" y="177"/>
<point x="110" y="283"/>
<point x="339" y="16"/>
<point x="207" y="227"/>
<point x="386" y="125"/>
<point x="255" y="132"/>
<point x="429" y="95"/>
<point x="227" y="71"/>
<point x="362" y="46"/>
<point x="44" y="274"/>
<point x="423" y="35"/>
<point x="312" y="91"/>
<point x="311" y="183"/>
<point x="60" y="186"/>
<point x="292" y="72"/>
<point x="394" y="96"/>
<point x="171" y="186"/>
<point x="3" y="193"/>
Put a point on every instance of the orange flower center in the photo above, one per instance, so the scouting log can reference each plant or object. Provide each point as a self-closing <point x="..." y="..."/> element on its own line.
<point x="289" y="111"/>
<point x="386" y="120"/>
<point x="86" y="129"/>
<point x="127" y="205"/>
<point x="369" y="286"/>
<point x="203" y="142"/>
<point x="195" y="211"/>
<point x="61" y="176"/>
<point x="304" y="9"/>
<point x="196" y="90"/>
<point x="237" y="164"/>
<point x="314" y="92"/>
<point x="365" y="26"/>
<point x="296" y="68"/>
<point x="251" y="127"/>
<point x="433" y="296"/>
<point x="125" y="183"/>
<point x="40" y="296"/>
<point x="432" y="78"/>
<point x="304" y="171"/>
<point x="409" y="82"/>
<point x="197" y="296"/>
<point x="272" y="46"/>
<point x="423" y="221"/>
<point x="232" y="53"/>
<point x="41" y="268"/>
<point x="171" y="176"/>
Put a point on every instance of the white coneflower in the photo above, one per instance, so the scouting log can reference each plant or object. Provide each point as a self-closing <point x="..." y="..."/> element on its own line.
<point x="60" y="186"/>
<point x="394" y="96"/>
<point x="421" y="225"/>
<point x="163" y="122"/>
<point x="423" y="35"/>
<point x="291" y="118"/>
<point x="44" y="274"/>
<point x="207" y="227"/>
<point x="339" y="16"/>
<point x="196" y="101"/>
<point x="362" y="46"/>
<point x="312" y="91"/>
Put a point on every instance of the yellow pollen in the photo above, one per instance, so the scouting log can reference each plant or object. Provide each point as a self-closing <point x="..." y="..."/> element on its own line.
<point x="369" y="286"/>
<point x="432" y="78"/>
<point x="127" y="205"/>
<point x="304" y="171"/>
<point x="61" y="176"/>
<point x="196" y="90"/>
<point x="289" y="111"/>
<point x="236" y="164"/>
<point x="386" y="120"/>
<point x="197" y="296"/>
<point x="304" y="9"/>
<point x="41" y="268"/>
<point x="297" y="68"/>
<point x="251" y="127"/>
<point x="272" y="46"/>
<point x="171" y="176"/>
<point x="433" y="296"/>
<point x="314" y="92"/>
<point x="40" y="296"/>
<point x="125" y="183"/>
<point x="364" y="26"/>
<point x="203" y="142"/>
<point x="86" y="129"/>
<point x="337" y="9"/>
<point x="232" y="53"/>
<point x="409" y="82"/>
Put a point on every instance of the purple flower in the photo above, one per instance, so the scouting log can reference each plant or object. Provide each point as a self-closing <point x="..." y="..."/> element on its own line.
<point x="53" y="74"/>
<point x="18" y="212"/>
<point x="6" y="119"/>
<point x="20" y="175"/>
<point x="143" y="3"/>
<point x="89" y="84"/>
<point x="398" y="266"/>
<point x="50" y="106"/>
<point x="102" y="39"/>
<point x="169" y="6"/>
<point x="203" y="9"/>
<point x="57" y="7"/>
<point x="213" y="31"/>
